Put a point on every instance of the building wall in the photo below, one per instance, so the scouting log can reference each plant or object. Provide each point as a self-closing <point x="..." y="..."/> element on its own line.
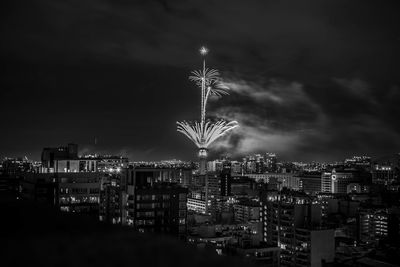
<point x="322" y="247"/>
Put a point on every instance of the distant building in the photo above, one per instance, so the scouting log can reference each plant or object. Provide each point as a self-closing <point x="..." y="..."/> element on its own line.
<point x="358" y="162"/>
<point x="378" y="224"/>
<point x="109" y="163"/>
<point x="382" y="174"/>
<point x="310" y="182"/>
<point x="51" y="155"/>
<point x="16" y="166"/>
<point x="242" y="185"/>
<point x="326" y="182"/>
<point x="226" y="179"/>
<point x="386" y="170"/>
<point x="337" y="180"/>
<point x="278" y="180"/>
<point x="75" y="165"/>
<point x="246" y="211"/>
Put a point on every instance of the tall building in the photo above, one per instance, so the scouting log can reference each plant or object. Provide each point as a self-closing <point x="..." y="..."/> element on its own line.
<point x="155" y="205"/>
<point x="292" y="222"/>
<point x="226" y="179"/>
<point x="326" y="182"/>
<point x="270" y="162"/>
<point x="113" y="198"/>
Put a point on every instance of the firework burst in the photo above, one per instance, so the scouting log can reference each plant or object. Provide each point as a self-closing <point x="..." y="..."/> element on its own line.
<point x="203" y="135"/>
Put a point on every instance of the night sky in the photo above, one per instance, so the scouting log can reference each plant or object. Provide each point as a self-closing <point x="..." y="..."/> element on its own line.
<point x="310" y="80"/>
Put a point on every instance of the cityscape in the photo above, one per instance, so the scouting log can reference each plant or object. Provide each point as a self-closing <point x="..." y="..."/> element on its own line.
<point x="154" y="134"/>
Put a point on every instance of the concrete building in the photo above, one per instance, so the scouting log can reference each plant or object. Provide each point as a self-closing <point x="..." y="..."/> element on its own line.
<point x="310" y="182"/>
<point x="279" y="180"/>
<point x="113" y="198"/>
<point x="246" y="211"/>
<point x="337" y="180"/>
<point x="326" y="182"/>
<point x="378" y="224"/>
<point x="50" y="155"/>
<point x="155" y="204"/>
<point x="70" y="192"/>
<point x="292" y="221"/>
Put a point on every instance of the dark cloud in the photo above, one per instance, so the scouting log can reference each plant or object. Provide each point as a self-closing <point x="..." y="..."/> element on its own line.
<point x="310" y="79"/>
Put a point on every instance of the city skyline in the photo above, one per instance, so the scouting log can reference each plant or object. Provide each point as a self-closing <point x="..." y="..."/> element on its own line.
<point x="305" y="84"/>
<point x="200" y="133"/>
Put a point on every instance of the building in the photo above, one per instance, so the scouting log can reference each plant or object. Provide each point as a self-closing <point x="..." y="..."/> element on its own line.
<point x="214" y="166"/>
<point x="109" y="163"/>
<point x="51" y="155"/>
<point x="378" y="224"/>
<point x="313" y="247"/>
<point x="74" y="165"/>
<point x="70" y="192"/>
<point x="278" y="180"/>
<point x="197" y="205"/>
<point x="383" y="174"/>
<point x="337" y="180"/>
<point x="259" y="163"/>
<point x="16" y="166"/>
<point x="246" y="211"/>
<point x="258" y="255"/>
<point x="226" y="179"/>
<point x="310" y="182"/>
<point x="154" y="204"/>
<point x="292" y="222"/>
<point x="386" y="170"/>
<point x="113" y="198"/>
<point x="242" y="185"/>
<point x="326" y="182"/>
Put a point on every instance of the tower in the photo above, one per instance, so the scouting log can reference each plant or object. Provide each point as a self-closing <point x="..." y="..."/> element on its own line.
<point x="204" y="133"/>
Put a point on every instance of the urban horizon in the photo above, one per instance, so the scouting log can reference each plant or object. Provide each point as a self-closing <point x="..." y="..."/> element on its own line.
<point x="214" y="156"/>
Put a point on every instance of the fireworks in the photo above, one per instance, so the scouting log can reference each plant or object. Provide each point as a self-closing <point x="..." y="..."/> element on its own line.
<point x="203" y="133"/>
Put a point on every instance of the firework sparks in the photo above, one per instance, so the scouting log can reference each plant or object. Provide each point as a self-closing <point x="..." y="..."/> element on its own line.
<point x="203" y="135"/>
<point x="203" y="50"/>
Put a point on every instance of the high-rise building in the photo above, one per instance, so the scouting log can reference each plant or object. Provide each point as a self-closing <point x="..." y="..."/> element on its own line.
<point x="292" y="222"/>
<point x="156" y="205"/>
<point x="270" y="162"/>
<point x="113" y="198"/>
<point x="226" y="179"/>
<point x="326" y="182"/>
